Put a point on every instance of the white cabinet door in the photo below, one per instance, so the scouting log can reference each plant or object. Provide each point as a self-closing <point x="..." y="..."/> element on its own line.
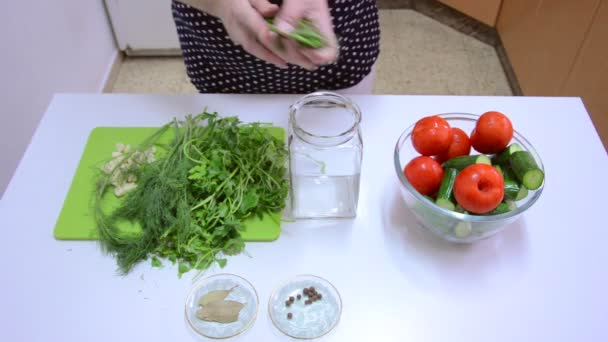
<point x="144" y="27"/>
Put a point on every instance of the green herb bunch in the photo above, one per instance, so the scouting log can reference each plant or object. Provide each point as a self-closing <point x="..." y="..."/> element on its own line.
<point x="191" y="203"/>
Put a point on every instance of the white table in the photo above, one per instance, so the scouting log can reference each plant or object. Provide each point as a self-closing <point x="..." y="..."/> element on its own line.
<point x="543" y="279"/>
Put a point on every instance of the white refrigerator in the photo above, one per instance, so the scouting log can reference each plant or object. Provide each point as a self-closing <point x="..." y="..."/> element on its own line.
<point x="143" y="27"/>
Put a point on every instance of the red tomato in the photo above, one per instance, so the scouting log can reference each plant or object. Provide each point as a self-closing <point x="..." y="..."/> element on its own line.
<point x="425" y="174"/>
<point x="460" y="146"/>
<point x="431" y="135"/>
<point x="492" y="133"/>
<point x="479" y="188"/>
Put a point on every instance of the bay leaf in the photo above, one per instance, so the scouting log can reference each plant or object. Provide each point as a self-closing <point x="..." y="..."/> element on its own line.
<point x="214" y="296"/>
<point x="220" y="311"/>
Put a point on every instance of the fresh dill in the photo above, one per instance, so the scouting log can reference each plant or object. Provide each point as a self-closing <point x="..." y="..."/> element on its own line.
<point x="191" y="202"/>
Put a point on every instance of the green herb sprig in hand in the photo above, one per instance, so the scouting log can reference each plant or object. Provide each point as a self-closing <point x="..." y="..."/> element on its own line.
<point x="305" y="34"/>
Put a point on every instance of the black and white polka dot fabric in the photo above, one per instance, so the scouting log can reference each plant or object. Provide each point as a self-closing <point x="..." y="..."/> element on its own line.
<point x="216" y="65"/>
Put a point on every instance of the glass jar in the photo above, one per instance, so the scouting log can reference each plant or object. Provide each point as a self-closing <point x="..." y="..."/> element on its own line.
<point x="325" y="153"/>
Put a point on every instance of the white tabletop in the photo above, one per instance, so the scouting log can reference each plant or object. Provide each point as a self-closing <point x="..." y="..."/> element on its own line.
<point x="543" y="279"/>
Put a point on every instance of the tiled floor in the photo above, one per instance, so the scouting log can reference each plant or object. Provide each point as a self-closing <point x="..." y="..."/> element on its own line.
<point x="418" y="56"/>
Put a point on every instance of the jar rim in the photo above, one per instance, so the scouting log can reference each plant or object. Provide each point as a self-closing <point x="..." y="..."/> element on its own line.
<point x="329" y="99"/>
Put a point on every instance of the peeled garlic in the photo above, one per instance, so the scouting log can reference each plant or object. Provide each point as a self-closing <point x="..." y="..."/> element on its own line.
<point x="111" y="165"/>
<point x="119" y="191"/>
<point x="120" y="167"/>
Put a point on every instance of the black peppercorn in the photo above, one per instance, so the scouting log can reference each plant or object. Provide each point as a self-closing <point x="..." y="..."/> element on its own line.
<point x="289" y="315"/>
<point x="299" y="296"/>
<point x="319" y="296"/>
<point x="308" y="302"/>
<point x="291" y="299"/>
<point x="287" y="303"/>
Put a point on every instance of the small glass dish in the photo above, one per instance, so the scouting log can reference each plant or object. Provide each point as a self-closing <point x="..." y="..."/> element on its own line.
<point x="242" y="291"/>
<point x="307" y="321"/>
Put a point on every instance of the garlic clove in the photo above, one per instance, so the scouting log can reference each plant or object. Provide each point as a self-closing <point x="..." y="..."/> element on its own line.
<point x="120" y="191"/>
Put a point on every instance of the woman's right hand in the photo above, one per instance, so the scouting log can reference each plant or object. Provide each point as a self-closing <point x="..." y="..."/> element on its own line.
<point x="245" y="24"/>
<point x="286" y="20"/>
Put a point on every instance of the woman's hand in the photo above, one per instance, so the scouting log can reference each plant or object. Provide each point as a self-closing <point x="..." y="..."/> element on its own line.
<point x="245" y="24"/>
<point x="290" y="13"/>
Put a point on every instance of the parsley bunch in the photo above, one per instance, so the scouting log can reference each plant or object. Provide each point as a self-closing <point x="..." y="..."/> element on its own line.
<point x="191" y="203"/>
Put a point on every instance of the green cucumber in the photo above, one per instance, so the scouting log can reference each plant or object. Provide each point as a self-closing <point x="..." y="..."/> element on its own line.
<point x="445" y="204"/>
<point x="499" y="169"/>
<point x="502" y="158"/>
<point x="445" y="194"/>
<point x="515" y="191"/>
<point x="460" y="209"/>
<point x="503" y="207"/>
<point x="463" y="229"/>
<point x="461" y="162"/>
<point x="526" y="170"/>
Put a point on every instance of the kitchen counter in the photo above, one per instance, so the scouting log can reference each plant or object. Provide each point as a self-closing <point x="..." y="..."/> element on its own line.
<point x="543" y="278"/>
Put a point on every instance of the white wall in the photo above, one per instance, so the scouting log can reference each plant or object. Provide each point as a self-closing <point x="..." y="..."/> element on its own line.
<point x="47" y="47"/>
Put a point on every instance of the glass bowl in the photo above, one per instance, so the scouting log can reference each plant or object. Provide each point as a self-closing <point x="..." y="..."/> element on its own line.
<point x="450" y="225"/>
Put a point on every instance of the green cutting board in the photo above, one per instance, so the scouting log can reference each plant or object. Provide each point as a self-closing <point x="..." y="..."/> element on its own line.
<point x="76" y="220"/>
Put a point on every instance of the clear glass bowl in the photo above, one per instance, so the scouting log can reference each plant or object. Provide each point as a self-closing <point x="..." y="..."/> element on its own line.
<point x="451" y="225"/>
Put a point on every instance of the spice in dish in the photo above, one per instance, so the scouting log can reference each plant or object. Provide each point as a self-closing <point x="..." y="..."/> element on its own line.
<point x="221" y="311"/>
<point x="215" y="308"/>
<point x="214" y="296"/>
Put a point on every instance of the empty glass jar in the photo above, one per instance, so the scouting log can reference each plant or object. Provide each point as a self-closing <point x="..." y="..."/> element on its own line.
<point x="325" y="152"/>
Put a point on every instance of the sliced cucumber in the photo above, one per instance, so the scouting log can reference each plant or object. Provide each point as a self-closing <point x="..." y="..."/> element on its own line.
<point x="503" y="207"/>
<point x="499" y="169"/>
<point x="526" y="170"/>
<point x="511" y="188"/>
<point x="514" y="191"/>
<point x="463" y="229"/>
<point x="445" y="193"/>
<point x="460" y="209"/>
<point x="502" y="158"/>
<point x="461" y="162"/>
<point x="445" y="204"/>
